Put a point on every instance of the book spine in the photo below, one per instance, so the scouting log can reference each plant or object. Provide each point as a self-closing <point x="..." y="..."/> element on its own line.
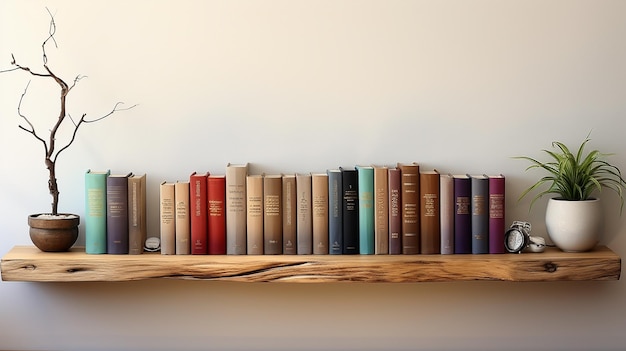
<point x="335" y="217"/>
<point x="410" y="208"/>
<point x="496" y="214"/>
<point x="236" y="217"/>
<point x="272" y="212"/>
<point x="117" y="214"/>
<point x="430" y="226"/>
<point x="254" y="214"/>
<point x="480" y="214"/>
<point x="381" y="210"/>
<point x="395" y="211"/>
<point x="304" y="223"/>
<point x="183" y="225"/>
<point x="289" y="215"/>
<point x="198" y="213"/>
<point x="462" y="215"/>
<point x="96" y="212"/>
<point x="350" y="211"/>
<point x="216" y="221"/>
<point x="167" y="207"/>
<point x="365" y="179"/>
<point x="319" y="196"/>
<point x="446" y="205"/>
<point x="137" y="220"/>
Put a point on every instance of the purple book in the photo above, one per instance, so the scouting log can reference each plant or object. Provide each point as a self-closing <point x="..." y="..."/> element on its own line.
<point x="496" y="214"/>
<point x="117" y="214"/>
<point x="462" y="215"/>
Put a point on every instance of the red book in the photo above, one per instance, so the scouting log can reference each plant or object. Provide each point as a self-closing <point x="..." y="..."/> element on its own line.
<point x="216" y="196"/>
<point x="496" y="214"/>
<point x="198" y="213"/>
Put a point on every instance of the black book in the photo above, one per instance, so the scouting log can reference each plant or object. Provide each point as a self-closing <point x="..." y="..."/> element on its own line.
<point x="350" y="211"/>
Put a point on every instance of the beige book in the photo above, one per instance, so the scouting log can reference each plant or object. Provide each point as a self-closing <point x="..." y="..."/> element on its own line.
<point x="381" y="210"/>
<point x="168" y="218"/>
<point x="183" y="224"/>
<point x="289" y="215"/>
<point x="272" y="215"/>
<point x="304" y="222"/>
<point x="254" y="214"/>
<point x="137" y="222"/>
<point x="236" y="209"/>
<point x="319" y="196"/>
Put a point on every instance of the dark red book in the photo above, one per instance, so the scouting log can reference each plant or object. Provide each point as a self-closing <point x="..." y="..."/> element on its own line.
<point x="198" y="213"/>
<point x="395" y="212"/>
<point x="216" y="196"/>
<point x="496" y="214"/>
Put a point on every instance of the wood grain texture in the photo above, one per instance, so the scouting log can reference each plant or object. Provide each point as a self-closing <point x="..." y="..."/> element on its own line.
<point x="26" y="263"/>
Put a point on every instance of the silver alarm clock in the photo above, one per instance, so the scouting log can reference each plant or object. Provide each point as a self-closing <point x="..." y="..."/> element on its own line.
<point x="518" y="239"/>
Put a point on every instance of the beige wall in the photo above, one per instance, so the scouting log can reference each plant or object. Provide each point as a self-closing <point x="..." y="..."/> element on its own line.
<point x="298" y="86"/>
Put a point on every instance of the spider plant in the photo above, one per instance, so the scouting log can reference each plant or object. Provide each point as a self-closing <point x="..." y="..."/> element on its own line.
<point x="575" y="176"/>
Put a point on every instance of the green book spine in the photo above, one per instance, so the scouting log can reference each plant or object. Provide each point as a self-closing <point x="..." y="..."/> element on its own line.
<point x="95" y="212"/>
<point x="366" y="209"/>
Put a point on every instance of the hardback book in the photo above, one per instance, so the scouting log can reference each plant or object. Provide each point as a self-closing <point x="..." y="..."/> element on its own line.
<point x="216" y="222"/>
<point x="319" y="197"/>
<point x="137" y="215"/>
<point x="365" y="178"/>
<point x="410" y="177"/>
<point x="480" y="214"/>
<point x="350" y="210"/>
<point x="395" y="211"/>
<point x="304" y="221"/>
<point x="496" y="214"/>
<point x="254" y="214"/>
<point x="381" y="210"/>
<point x="198" y="213"/>
<point x="446" y="209"/>
<point x="272" y="214"/>
<point x="167" y="214"/>
<point x="236" y="217"/>
<point x="117" y="213"/>
<point x="96" y="212"/>
<point x="335" y="217"/>
<point x="290" y="217"/>
<point x="462" y="214"/>
<point x="430" y="226"/>
<point x="183" y="225"/>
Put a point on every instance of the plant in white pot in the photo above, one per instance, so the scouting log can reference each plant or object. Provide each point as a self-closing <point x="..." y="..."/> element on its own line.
<point x="574" y="216"/>
<point x="53" y="231"/>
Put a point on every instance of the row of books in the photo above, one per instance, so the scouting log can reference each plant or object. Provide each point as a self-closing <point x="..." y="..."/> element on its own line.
<point x="115" y="213"/>
<point x="360" y="210"/>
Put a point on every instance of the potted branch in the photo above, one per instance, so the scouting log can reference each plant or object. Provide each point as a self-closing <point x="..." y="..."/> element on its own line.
<point x="574" y="216"/>
<point x="53" y="231"/>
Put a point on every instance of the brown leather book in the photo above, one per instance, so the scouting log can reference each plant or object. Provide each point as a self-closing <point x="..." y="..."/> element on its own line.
<point x="272" y="215"/>
<point x="254" y="214"/>
<point x="430" y="228"/>
<point x="319" y="195"/>
<point x="409" y="173"/>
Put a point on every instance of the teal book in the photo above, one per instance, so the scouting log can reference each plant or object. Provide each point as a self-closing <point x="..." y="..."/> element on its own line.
<point x="365" y="176"/>
<point x="95" y="212"/>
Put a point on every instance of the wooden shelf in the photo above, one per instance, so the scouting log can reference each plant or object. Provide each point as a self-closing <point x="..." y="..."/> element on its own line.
<point x="26" y="263"/>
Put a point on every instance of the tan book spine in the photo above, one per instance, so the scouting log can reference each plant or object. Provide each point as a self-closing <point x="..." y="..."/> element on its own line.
<point x="446" y="206"/>
<point x="319" y="196"/>
<point x="304" y="223"/>
<point x="236" y="209"/>
<point x="137" y="221"/>
<point x="254" y="210"/>
<point x="430" y="233"/>
<point x="381" y="210"/>
<point x="272" y="215"/>
<point x="289" y="215"/>
<point x="183" y="224"/>
<point x="168" y="218"/>
<point x="409" y="173"/>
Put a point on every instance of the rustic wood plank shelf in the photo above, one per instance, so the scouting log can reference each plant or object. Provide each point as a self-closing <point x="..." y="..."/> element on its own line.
<point x="26" y="263"/>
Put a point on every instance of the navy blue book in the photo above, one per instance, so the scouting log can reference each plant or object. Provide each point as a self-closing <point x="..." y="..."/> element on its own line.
<point x="480" y="214"/>
<point x="335" y="213"/>
<point x="350" y="209"/>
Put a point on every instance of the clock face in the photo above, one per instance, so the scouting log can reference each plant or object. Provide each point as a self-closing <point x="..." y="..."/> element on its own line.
<point x="514" y="240"/>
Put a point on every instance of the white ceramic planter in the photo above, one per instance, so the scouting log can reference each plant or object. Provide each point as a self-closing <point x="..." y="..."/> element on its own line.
<point x="574" y="226"/>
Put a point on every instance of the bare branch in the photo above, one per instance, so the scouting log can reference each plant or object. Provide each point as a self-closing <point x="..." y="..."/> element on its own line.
<point x="52" y="29"/>
<point x="115" y="109"/>
<point x="76" y="125"/>
<point x="32" y="128"/>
